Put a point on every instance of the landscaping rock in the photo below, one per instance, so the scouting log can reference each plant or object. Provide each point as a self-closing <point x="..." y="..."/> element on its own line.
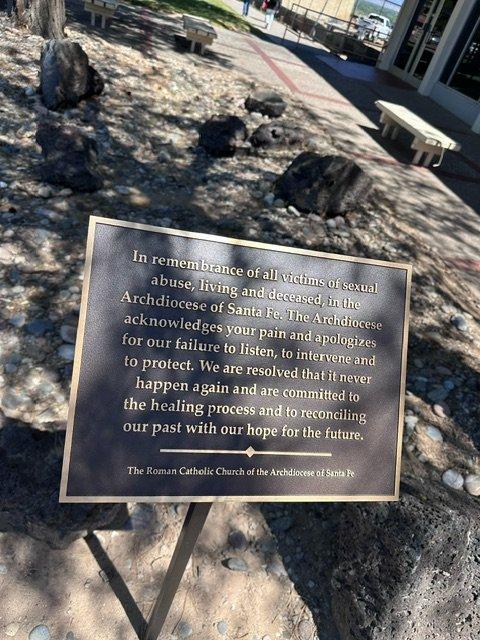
<point x="439" y="410"/>
<point x="277" y="568"/>
<point x="39" y="327"/>
<point x="68" y="333"/>
<point x="269" y="199"/>
<point x="452" y="479"/>
<point x="273" y="134"/>
<point x="40" y="632"/>
<point x="281" y="524"/>
<point x="434" y="434"/>
<point x="66" y="352"/>
<point x="410" y="423"/>
<point x="222" y="627"/>
<point x="459" y="322"/>
<point x="237" y="540"/>
<point x="221" y="136"/>
<point x="438" y="394"/>
<point x="11" y="629"/>
<point x="472" y="484"/>
<point x="266" y="102"/>
<point x="325" y="185"/>
<point x="184" y="630"/>
<point x="66" y="77"/>
<point x="29" y="481"/>
<point x="236" y="564"/>
<point x="306" y="630"/>
<point x="18" y="320"/>
<point x="424" y="585"/>
<point x="70" y="157"/>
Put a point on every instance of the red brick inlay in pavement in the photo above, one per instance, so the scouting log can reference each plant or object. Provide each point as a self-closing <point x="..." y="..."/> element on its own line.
<point x="389" y="161"/>
<point x="274" y="67"/>
<point x="287" y="81"/>
<point x="317" y="96"/>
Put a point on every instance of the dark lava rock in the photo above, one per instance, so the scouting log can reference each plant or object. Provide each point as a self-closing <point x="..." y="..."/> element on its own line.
<point x="66" y="77"/>
<point x="325" y="185"/>
<point x="273" y="134"/>
<point x="70" y="157"/>
<point x="29" y="486"/>
<point x="281" y="524"/>
<point x="237" y="540"/>
<point x="409" y="569"/>
<point x="221" y="136"/>
<point x="266" y="102"/>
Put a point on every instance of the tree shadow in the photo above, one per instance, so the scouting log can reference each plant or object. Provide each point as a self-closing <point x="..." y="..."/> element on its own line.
<point x="186" y="209"/>
<point x="221" y="15"/>
<point x="140" y="28"/>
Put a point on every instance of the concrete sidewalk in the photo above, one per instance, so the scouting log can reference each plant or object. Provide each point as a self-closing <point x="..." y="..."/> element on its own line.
<point x="443" y="204"/>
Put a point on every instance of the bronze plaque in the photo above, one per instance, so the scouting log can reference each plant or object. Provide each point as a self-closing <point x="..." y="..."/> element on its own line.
<point x="208" y="368"/>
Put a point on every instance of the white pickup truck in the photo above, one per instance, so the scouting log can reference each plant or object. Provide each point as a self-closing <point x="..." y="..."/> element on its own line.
<point x="373" y="27"/>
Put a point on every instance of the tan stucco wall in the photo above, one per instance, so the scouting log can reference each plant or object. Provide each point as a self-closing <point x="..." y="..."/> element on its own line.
<point x="341" y="9"/>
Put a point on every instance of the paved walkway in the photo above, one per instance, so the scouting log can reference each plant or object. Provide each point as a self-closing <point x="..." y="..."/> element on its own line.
<point x="443" y="204"/>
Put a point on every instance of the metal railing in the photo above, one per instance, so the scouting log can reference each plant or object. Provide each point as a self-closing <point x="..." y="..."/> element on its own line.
<point x="337" y="35"/>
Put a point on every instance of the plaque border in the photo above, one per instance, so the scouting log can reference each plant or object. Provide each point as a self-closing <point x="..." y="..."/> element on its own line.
<point x="97" y="220"/>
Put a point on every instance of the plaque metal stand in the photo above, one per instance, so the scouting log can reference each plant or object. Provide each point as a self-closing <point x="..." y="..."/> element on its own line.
<point x="192" y="526"/>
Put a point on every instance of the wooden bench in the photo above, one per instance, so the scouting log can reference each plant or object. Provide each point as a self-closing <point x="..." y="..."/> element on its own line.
<point x="104" y="8"/>
<point x="200" y="31"/>
<point x="426" y="140"/>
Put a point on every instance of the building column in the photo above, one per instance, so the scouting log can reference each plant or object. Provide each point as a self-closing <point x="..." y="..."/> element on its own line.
<point x="476" y="125"/>
<point x="448" y="40"/>
<point x="387" y="58"/>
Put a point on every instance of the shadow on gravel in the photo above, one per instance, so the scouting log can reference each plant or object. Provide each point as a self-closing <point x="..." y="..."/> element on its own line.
<point x="307" y="538"/>
<point x="31" y="459"/>
<point x="117" y="583"/>
<point x="149" y="31"/>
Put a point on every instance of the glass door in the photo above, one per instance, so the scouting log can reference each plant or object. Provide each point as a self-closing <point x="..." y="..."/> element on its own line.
<point x="422" y="38"/>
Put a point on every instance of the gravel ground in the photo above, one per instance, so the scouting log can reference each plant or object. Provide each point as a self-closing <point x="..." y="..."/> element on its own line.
<point x="146" y="126"/>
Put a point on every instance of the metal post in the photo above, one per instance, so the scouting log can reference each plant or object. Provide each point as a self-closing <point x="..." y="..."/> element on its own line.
<point x="192" y="526"/>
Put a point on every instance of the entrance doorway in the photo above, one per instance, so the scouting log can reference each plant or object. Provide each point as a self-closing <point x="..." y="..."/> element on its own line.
<point x="422" y="39"/>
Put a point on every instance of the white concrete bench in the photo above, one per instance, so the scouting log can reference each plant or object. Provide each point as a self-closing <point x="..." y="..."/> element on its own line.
<point x="426" y="140"/>
<point x="200" y="31"/>
<point x="104" y="8"/>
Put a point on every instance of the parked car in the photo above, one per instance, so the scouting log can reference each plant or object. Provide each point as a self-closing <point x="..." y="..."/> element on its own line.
<point x="373" y="27"/>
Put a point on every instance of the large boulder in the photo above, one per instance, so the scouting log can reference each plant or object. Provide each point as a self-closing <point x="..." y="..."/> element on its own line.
<point x="66" y="77"/>
<point x="70" y="157"/>
<point x="221" y="136"/>
<point x="29" y="487"/>
<point x="276" y="134"/>
<point x="325" y="185"/>
<point x="266" y="102"/>
<point x="410" y="569"/>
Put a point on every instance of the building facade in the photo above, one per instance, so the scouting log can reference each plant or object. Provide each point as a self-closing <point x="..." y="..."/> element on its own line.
<point x="340" y="9"/>
<point x="435" y="46"/>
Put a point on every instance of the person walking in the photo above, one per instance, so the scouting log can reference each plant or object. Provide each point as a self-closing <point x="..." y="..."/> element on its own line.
<point x="272" y="8"/>
<point x="246" y="7"/>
